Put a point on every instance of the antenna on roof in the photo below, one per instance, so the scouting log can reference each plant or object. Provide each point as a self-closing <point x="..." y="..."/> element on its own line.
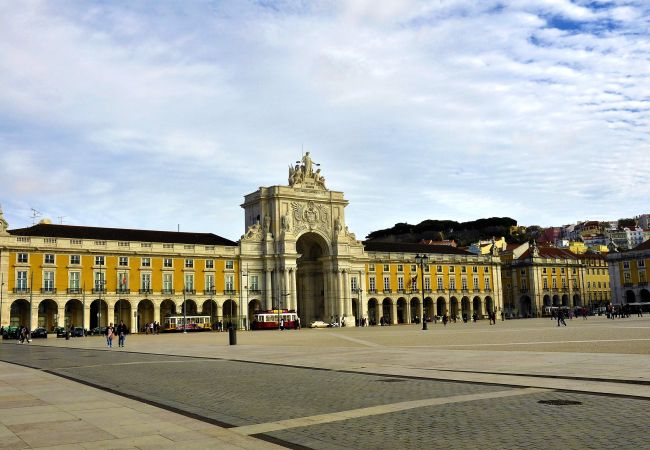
<point x="61" y="219"/>
<point x="178" y="228"/>
<point x="35" y="214"/>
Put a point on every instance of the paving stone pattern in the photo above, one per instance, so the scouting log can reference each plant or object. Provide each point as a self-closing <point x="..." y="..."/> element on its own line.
<point x="504" y="423"/>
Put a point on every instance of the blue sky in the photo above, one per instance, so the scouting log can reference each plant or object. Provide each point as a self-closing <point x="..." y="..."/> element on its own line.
<point x="158" y="114"/>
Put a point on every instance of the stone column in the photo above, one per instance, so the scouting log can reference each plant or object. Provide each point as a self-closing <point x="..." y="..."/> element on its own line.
<point x="60" y="319"/>
<point x="347" y="294"/>
<point x="363" y="304"/>
<point x="34" y="319"/>
<point x="294" y="289"/>
<point x="393" y="313"/>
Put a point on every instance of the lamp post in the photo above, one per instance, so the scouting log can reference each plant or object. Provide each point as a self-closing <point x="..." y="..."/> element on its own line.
<point x="359" y="292"/>
<point x="2" y="284"/>
<point x="184" y="309"/>
<point x="422" y="260"/>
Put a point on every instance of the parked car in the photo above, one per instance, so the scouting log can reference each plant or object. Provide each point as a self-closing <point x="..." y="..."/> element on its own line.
<point x="39" y="332"/>
<point x="78" y="332"/>
<point x="98" y="331"/>
<point x="11" y="332"/>
<point x="60" y="332"/>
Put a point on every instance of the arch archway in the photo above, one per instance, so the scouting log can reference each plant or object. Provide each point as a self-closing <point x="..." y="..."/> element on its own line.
<point x="441" y="306"/>
<point x="489" y="304"/>
<point x="428" y="308"/>
<point x="19" y="313"/>
<point x="122" y="312"/>
<point x="387" y="311"/>
<point x="74" y="314"/>
<point x="230" y="313"/>
<point x="565" y="300"/>
<point x="373" y="311"/>
<point x="577" y="301"/>
<point x="401" y="310"/>
<point x="453" y="308"/>
<point x="556" y="300"/>
<point x="253" y="305"/>
<point x="645" y="295"/>
<point x="167" y="308"/>
<point x="630" y="296"/>
<point x="48" y="312"/>
<point x="416" y="314"/>
<point x="525" y="307"/>
<point x="99" y="314"/>
<point x="547" y="300"/>
<point x="188" y="307"/>
<point x="478" y="310"/>
<point x="311" y="279"/>
<point x="464" y="304"/>
<point x="145" y="314"/>
<point x="209" y="308"/>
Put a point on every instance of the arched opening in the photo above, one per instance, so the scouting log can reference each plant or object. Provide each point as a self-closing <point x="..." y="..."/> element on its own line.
<point x="122" y="311"/>
<point x="630" y="297"/>
<point x="310" y="279"/>
<point x="74" y="314"/>
<point x="19" y="313"/>
<point x="577" y="301"/>
<point x="401" y="310"/>
<point x="556" y="300"/>
<point x="416" y="314"/>
<point x="525" y="307"/>
<point x="387" y="311"/>
<point x="645" y="295"/>
<point x="209" y="308"/>
<point x="477" y="307"/>
<point x="489" y="304"/>
<point x="565" y="300"/>
<point x="145" y="314"/>
<point x="189" y="308"/>
<point x="253" y="305"/>
<point x="167" y="308"/>
<point x="547" y="300"/>
<point x="464" y="304"/>
<point x="441" y="307"/>
<point x="453" y="307"/>
<point x="428" y="308"/>
<point x="48" y="312"/>
<point x="356" y="311"/>
<point x="229" y="313"/>
<point x="99" y="314"/>
<point x="373" y="312"/>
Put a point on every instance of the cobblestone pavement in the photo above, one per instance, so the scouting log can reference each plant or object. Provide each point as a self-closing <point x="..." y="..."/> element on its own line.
<point x="333" y="409"/>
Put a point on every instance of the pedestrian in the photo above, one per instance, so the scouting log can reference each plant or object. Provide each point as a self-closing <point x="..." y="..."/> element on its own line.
<point x="297" y="323"/>
<point x="444" y="319"/>
<point x="282" y="324"/>
<point x="109" y="335"/>
<point x="121" y="333"/>
<point x="560" y="318"/>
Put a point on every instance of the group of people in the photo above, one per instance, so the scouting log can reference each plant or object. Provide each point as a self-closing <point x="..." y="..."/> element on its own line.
<point x="121" y="330"/>
<point x="152" y="328"/>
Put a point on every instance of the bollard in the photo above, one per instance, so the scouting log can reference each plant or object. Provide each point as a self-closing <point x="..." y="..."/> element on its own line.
<point x="232" y="335"/>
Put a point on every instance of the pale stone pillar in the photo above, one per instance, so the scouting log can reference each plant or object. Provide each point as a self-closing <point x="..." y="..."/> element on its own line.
<point x="268" y="289"/>
<point x="393" y="313"/>
<point x="347" y="294"/>
<point x="363" y="304"/>
<point x="340" y="296"/>
<point x="60" y="315"/>
<point x="294" y="290"/>
<point x="34" y="319"/>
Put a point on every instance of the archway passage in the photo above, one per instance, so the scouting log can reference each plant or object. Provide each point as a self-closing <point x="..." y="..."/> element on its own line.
<point x="373" y="311"/>
<point x="489" y="305"/>
<point x="310" y="279"/>
<point x="189" y="307"/>
<point x="209" y="308"/>
<point x="99" y="314"/>
<point x="464" y="303"/>
<point x="577" y="301"/>
<point x="145" y="314"/>
<point x="645" y="295"/>
<point x="453" y="307"/>
<point x="441" y="307"/>
<point x="167" y="308"/>
<point x="416" y="314"/>
<point x="565" y="300"/>
<point x="122" y="312"/>
<point x="230" y="313"/>
<point x="48" y="312"/>
<point x="428" y="309"/>
<point x="557" y="301"/>
<point x="74" y="314"/>
<point x="547" y="300"/>
<point x="19" y="313"/>
<point x="401" y="310"/>
<point x="525" y="307"/>
<point x="477" y="307"/>
<point x="386" y="312"/>
<point x="630" y="297"/>
<point x="253" y="306"/>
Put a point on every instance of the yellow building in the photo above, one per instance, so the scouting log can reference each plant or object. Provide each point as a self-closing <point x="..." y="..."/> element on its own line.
<point x="629" y="272"/>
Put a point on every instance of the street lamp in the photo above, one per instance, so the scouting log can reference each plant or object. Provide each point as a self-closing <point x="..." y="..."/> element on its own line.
<point x="184" y="308"/>
<point x="359" y="292"/>
<point x="422" y="260"/>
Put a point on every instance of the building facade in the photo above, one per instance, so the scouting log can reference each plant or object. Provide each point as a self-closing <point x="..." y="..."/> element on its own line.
<point x="629" y="273"/>
<point x="296" y="253"/>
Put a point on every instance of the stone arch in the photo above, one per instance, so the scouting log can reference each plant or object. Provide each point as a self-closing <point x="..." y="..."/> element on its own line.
<point x="230" y="313"/>
<point x="210" y="308"/>
<point x="401" y="310"/>
<point x="99" y="313"/>
<point x="565" y="300"/>
<point x="477" y="306"/>
<point x="312" y="277"/>
<point x="441" y="306"/>
<point x="387" y="310"/>
<point x="577" y="301"/>
<point x="645" y="295"/>
<point x="547" y="300"/>
<point x="253" y="305"/>
<point x="630" y="296"/>
<point x="189" y="307"/>
<point x="48" y="311"/>
<point x="122" y="311"/>
<point x="465" y="307"/>
<point x="145" y="314"/>
<point x="489" y="304"/>
<point x="19" y="313"/>
<point x="73" y="314"/>
<point x="416" y="314"/>
<point x="428" y="308"/>
<point x="167" y="308"/>
<point x="525" y="307"/>
<point x="556" y="300"/>
<point x="453" y="308"/>
<point x="373" y="311"/>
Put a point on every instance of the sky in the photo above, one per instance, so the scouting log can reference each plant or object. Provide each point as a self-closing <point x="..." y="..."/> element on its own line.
<point x="162" y="115"/>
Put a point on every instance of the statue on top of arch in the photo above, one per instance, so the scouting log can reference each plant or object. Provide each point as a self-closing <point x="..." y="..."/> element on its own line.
<point x="303" y="174"/>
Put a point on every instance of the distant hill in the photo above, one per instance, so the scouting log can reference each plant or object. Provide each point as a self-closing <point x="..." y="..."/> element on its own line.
<point x="464" y="233"/>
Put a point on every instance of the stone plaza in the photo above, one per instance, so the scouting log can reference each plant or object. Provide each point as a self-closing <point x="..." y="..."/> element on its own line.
<point x="516" y="384"/>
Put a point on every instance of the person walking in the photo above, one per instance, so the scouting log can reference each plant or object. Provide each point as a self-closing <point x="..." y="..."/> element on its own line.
<point x="560" y="318"/>
<point x="121" y="333"/>
<point x="110" y="330"/>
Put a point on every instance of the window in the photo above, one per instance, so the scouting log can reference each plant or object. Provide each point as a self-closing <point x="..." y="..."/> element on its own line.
<point x="487" y="283"/>
<point x="474" y="269"/>
<point x="145" y="281"/>
<point x="400" y="268"/>
<point x="75" y="260"/>
<point x="486" y="269"/>
<point x="21" y="280"/>
<point x="189" y="282"/>
<point x="123" y="261"/>
<point x="146" y="262"/>
<point x="230" y="264"/>
<point x="452" y="284"/>
<point x="427" y="283"/>
<point x="99" y="260"/>
<point x="122" y="281"/>
<point x="641" y="263"/>
<point x="371" y="267"/>
<point x="626" y="264"/>
<point x="574" y="271"/>
<point x="544" y="270"/>
<point x="167" y="262"/>
<point x="372" y="284"/>
<point x="553" y="270"/>
<point x="426" y="268"/>
<point x="463" y="282"/>
<point x="100" y="281"/>
<point x="641" y="277"/>
<point x="386" y="283"/>
<point x="562" y="270"/>
<point x="353" y="284"/>
<point x="168" y="282"/>
<point x="476" y="286"/>
<point x="523" y="271"/>
<point x="545" y="283"/>
<point x="588" y="284"/>
<point x="440" y="285"/>
<point x="49" y="258"/>
<point x="22" y="258"/>
<point x="564" y="283"/>
<point x="414" y="282"/>
<point x="230" y="283"/>
<point x="48" y="280"/>
<point x="73" y="282"/>
<point x="575" y="283"/>
<point x="439" y="269"/>
<point x="400" y="283"/>
<point x="463" y="269"/>
<point x="628" y="278"/>
<point x="452" y="269"/>
<point x="386" y="268"/>
<point x="414" y="268"/>
<point x="189" y="263"/>
<point x="209" y="263"/>
<point x="255" y="282"/>
<point x="209" y="283"/>
<point x="554" y="283"/>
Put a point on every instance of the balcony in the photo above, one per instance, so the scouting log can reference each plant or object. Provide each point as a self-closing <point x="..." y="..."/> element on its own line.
<point x="523" y="290"/>
<point x="440" y="291"/>
<point x="388" y="291"/>
<point x="627" y="285"/>
<point x="48" y="290"/>
<point x="167" y="291"/>
<point x="22" y="290"/>
<point x="74" y="290"/>
<point x="145" y="291"/>
<point x="99" y="290"/>
<point x="229" y="292"/>
<point x="464" y="290"/>
<point x="487" y="290"/>
<point x="189" y="291"/>
<point x="255" y="292"/>
<point x="372" y="291"/>
<point x="123" y="291"/>
<point x="401" y="291"/>
<point x="209" y="292"/>
<point x="643" y="283"/>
